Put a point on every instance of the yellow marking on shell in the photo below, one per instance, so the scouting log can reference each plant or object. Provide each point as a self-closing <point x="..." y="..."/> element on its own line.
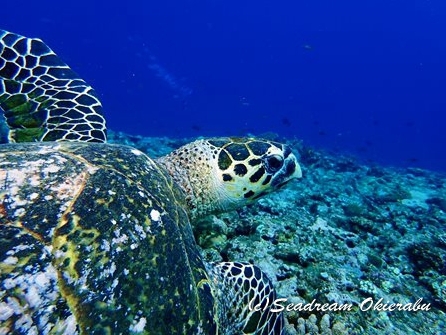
<point x="9" y="267"/>
<point x="67" y="271"/>
<point x="71" y="253"/>
<point x="69" y="190"/>
<point x="19" y="224"/>
<point x="101" y="201"/>
<point x="77" y="187"/>
<point x="203" y="282"/>
<point x="152" y="240"/>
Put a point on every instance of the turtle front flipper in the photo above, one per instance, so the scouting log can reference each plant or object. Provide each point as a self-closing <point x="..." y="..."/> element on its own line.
<point x="245" y="295"/>
<point x="42" y="98"/>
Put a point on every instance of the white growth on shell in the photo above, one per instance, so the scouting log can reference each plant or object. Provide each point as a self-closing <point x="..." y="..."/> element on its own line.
<point x="136" y="152"/>
<point x="70" y="325"/>
<point x="19" y="212"/>
<point x="5" y="311"/>
<point x="38" y="289"/>
<point x="140" y="230"/>
<point x="34" y="180"/>
<point x="138" y="327"/>
<point x="48" y="149"/>
<point x="92" y="169"/>
<point x="119" y="239"/>
<point x="18" y="248"/>
<point x="11" y="260"/>
<point x="108" y="271"/>
<point x="51" y="169"/>
<point x="105" y="245"/>
<point x="155" y="215"/>
<point x="69" y="187"/>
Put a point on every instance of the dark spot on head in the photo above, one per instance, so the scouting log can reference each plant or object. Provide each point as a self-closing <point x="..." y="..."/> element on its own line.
<point x="238" y="151"/>
<point x="240" y="170"/>
<point x="256" y="176"/>
<point x="267" y="179"/>
<point x="227" y="177"/>
<point x="259" y="148"/>
<point x="249" y="194"/>
<point x="224" y="161"/>
<point x="254" y="161"/>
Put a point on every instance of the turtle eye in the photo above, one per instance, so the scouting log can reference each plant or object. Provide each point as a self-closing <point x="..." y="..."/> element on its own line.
<point x="273" y="163"/>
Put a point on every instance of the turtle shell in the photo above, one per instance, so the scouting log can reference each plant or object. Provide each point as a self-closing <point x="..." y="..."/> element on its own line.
<point x="95" y="237"/>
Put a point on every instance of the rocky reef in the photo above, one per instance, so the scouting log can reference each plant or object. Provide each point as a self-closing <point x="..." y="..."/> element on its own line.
<point x="347" y="234"/>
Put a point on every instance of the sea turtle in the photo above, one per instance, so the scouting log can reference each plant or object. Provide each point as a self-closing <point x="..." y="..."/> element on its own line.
<point x="96" y="237"/>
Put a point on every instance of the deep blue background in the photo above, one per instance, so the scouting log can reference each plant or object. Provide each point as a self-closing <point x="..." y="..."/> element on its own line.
<point x="366" y="77"/>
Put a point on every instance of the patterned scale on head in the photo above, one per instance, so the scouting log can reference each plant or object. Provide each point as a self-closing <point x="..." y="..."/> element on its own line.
<point x="96" y="237"/>
<point x="221" y="174"/>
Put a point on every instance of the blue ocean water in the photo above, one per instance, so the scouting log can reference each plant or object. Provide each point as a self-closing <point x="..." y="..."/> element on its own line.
<point x="361" y="77"/>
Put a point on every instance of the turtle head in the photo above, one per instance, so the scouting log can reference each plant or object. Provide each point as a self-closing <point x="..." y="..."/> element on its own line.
<point x="221" y="174"/>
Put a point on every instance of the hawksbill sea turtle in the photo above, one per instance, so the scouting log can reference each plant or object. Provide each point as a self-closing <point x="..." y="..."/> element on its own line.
<point x="96" y="237"/>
